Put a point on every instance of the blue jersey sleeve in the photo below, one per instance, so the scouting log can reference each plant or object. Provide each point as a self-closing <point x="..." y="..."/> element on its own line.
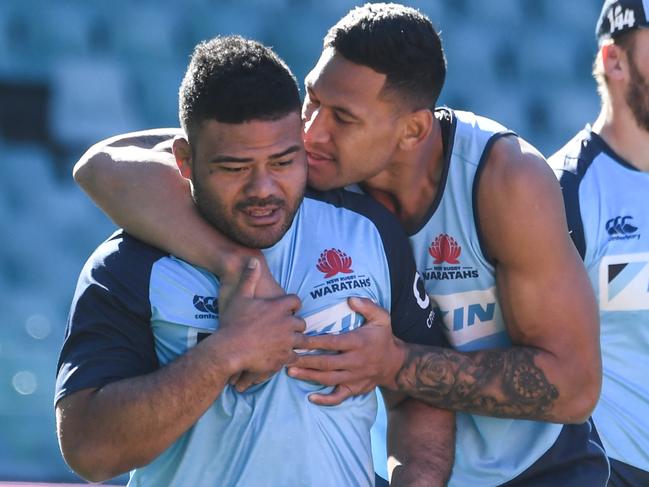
<point x="108" y="335"/>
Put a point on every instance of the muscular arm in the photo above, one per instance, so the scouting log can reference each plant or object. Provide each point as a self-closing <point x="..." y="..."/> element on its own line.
<point x="553" y="370"/>
<point x="421" y="443"/>
<point x="128" y="423"/>
<point x="134" y="179"/>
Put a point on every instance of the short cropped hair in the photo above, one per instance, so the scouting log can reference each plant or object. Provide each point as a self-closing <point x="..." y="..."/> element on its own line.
<point x="234" y="80"/>
<point x="397" y="41"/>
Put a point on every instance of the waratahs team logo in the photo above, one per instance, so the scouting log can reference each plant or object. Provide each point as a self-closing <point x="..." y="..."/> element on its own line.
<point x="446" y="251"/>
<point x="207" y="305"/>
<point x="333" y="262"/>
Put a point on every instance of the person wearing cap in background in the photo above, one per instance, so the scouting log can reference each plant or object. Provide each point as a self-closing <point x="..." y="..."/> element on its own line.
<point x="604" y="174"/>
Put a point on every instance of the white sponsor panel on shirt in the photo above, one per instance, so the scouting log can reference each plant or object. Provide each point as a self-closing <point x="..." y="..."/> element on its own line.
<point x="332" y="320"/>
<point x="460" y="309"/>
<point x="634" y="293"/>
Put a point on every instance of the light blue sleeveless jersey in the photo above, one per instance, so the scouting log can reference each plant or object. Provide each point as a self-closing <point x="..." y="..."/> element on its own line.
<point x="461" y="283"/>
<point x="271" y="435"/>
<point x="607" y="204"/>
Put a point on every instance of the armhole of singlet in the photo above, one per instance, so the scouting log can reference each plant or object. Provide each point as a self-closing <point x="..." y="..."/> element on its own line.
<point x="570" y="165"/>
<point x="476" y="181"/>
<point x="570" y="188"/>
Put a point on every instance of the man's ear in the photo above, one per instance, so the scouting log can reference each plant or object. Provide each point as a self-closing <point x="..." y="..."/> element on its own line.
<point x="614" y="62"/>
<point x="183" y="154"/>
<point x="418" y="125"/>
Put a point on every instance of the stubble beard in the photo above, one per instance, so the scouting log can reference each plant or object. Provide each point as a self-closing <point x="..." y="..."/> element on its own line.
<point x="637" y="96"/>
<point x="215" y="213"/>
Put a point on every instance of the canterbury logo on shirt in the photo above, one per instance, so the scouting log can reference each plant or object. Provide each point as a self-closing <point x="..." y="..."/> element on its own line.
<point x="621" y="228"/>
<point x="207" y="305"/>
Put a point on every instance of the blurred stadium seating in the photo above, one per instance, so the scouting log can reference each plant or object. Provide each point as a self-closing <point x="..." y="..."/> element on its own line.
<point x="75" y="71"/>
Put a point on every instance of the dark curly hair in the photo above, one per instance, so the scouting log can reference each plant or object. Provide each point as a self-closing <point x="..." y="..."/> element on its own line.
<point x="397" y="41"/>
<point x="234" y="80"/>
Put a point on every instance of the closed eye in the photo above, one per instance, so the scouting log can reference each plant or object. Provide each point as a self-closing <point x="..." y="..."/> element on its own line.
<point x="341" y="119"/>
<point x="283" y="163"/>
<point x="232" y="169"/>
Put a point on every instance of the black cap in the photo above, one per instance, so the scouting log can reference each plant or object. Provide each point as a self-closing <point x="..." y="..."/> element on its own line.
<point x="620" y="16"/>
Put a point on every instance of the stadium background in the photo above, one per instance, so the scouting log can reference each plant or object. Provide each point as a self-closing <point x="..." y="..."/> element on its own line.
<point x="73" y="72"/>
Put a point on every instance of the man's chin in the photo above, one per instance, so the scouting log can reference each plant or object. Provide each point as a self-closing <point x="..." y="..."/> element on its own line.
<point x="321" y="183"/>
<point x="260" y="238"/>
<point x="257" y="243"/>
<point x="260" y="234"/>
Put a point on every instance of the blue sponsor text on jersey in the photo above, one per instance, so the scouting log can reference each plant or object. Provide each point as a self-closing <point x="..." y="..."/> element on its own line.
<point x="343" y="283"/>
<point x="467" y="315"/>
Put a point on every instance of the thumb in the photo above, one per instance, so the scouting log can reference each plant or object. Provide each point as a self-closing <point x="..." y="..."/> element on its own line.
<point x="334" y="398"/>
<point x="249" y="278"/>
<point x="369" y="310"/>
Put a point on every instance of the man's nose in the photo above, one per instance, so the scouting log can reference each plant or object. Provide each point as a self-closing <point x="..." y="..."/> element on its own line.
<point x="261" y="185"/>
<point x="316" y="128"/>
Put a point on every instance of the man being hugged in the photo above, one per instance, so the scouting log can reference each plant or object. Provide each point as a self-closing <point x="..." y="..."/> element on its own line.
<point x="143" y="377"/>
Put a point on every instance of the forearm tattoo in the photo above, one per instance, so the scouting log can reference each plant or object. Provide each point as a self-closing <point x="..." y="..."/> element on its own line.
<point x="504" y="383"/>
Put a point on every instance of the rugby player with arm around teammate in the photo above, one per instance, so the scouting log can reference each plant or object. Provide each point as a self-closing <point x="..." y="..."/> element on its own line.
<point x="604" y="174"/>
<point x="143" y="375"/>
<point x="485" y="218"/>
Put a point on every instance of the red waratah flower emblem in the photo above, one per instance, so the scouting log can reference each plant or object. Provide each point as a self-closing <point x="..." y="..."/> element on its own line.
<point x="333" y="261"/>
<point x="445" y="249"/>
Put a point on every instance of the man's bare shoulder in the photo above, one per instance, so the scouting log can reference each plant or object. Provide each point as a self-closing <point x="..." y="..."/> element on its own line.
<point x="518" y="196"/>
<point x="515" y="166"/>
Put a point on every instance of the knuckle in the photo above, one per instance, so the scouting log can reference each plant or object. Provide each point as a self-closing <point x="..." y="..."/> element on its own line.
<point x="323" y="362"/>
<point x="333" y="341"/>
<point x="293" y="325"/>
<point x="357" y="340"/>
<point x="294" y="301"/>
